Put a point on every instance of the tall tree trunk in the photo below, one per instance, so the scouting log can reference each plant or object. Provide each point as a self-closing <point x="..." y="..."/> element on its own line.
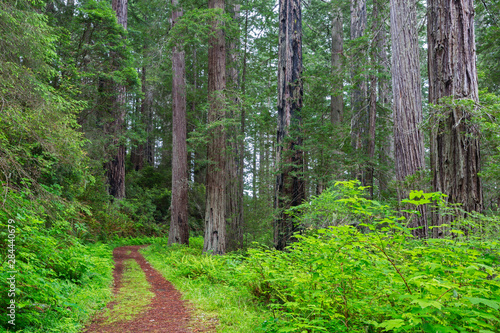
<point x="455" y="151"/>
<point x="407" y="105"/>
<point x="290" y="189"/>
<point x="370" y="149"/>
<point x="215" y="223"/>
<point x="115" y="168"/>
<point x="376" y="59"/>
<point x="337" y="100"/>
<point x="383" y="89"/>
<point x="241" y="165"/>
<point x="359" y="121"/>
<point x="179" y="227"/>
<point x="234" y="212"/>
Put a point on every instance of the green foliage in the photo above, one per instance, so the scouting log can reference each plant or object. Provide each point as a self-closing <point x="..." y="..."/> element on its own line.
<point x="39" y="142"/>
<point x="345" y="203"/>
<point x="339" y="279"/>
<point x="60" y="282"/>
<point x="488" y="117"/>
<point x="488" y="32"/>
<point x="372" y="278"/>
<point x="195" y="27"/>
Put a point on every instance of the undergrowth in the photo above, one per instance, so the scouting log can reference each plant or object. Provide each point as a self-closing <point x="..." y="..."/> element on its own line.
<point x="366" y="273"/>
<point x="59" y="281"/>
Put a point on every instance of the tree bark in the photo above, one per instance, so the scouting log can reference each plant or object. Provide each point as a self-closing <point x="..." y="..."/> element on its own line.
<point x="455" y="149"/>
<point x="407" y="104"/>
<point x="383" y="92"/>
<point x="215" y="224"/>
<point x="241" y="165"/>
<point x="234" y="208"/>
<point x="115" y="168"/>
<point x="290" y="189"/>
<point x="337" y="100"/>
<point x="179" y="227"/>
<point x="359" y="108"/>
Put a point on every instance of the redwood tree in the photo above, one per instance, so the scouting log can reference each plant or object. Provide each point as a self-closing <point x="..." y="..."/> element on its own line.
<point x="407" y="103"/>
<point x="115" y="167"/>
<point x="215" y="224"/>
<point x="236" y="151"/>
<point x="179" y="227"/>
<point x="290" y="190"/>
<point x="455" y="153"/>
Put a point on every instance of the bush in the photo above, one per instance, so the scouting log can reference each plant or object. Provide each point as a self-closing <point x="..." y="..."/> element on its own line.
<point x="59" y="281"/>
<point x="376" y="277"/>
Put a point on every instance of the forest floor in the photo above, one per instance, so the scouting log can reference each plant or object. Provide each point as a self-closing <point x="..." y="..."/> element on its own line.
<point x="144" y="300"/>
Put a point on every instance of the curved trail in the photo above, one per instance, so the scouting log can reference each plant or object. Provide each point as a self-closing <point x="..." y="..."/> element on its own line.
<point x="166" y="313"/>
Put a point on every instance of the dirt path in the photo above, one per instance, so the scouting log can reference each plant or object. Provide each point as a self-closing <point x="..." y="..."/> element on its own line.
<point x="167" y="313"/>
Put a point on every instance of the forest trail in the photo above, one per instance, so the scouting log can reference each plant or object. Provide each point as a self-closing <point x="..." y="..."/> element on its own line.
<point x="166" y="312"/>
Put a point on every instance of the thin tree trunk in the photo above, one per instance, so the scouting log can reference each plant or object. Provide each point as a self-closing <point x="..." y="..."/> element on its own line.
<point x="234" y="214"/>
<point x="115" y="168"/>
<point x="370" y="170"/>
<point x="241" y="165"/>
<point x="455" y="149"/>
<point x="179" y="227"/>
<point x="360" y="113"/>
<point x="407" y="105"/>
<point x="290" y="190"/>
<point x="337" y="100"/>
<point x="215" y="223"/>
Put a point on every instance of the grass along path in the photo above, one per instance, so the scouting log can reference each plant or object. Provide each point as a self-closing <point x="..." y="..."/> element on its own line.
<point x="223" y="304"/>
<point x="144" y="300"/>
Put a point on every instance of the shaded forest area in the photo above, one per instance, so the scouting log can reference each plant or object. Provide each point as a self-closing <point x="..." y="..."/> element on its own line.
<point x="340" y="158"/>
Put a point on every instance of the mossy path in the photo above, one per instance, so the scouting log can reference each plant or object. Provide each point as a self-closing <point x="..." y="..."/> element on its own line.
<point x="144" y="300"/>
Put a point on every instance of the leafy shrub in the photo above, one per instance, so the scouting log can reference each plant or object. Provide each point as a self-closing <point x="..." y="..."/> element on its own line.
<point x="59" y="281"/>
<point x="339" y="279"/>
<point x="375" y="277"/>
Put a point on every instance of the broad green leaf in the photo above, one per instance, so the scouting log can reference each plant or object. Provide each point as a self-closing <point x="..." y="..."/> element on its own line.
<point x="391" y="324"/>
<point x="487" y="302"/>
<point x="425" y="303"/>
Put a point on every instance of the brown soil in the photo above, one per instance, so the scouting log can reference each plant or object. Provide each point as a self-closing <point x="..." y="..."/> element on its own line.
<point x="167" y="313"/>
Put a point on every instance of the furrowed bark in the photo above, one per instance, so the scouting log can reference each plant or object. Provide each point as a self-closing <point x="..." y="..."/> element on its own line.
<point x="115" y="168"/>
<point x="234" y="204"/>
<point x="455" y="147"/>
<point x="407" y="104"/>
<point x="179" y="227"/>
<point x="290" y="189"/>
<point x="215" y="223"/>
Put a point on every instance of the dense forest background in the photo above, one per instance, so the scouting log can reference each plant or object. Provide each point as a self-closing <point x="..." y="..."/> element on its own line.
<point x="242" y="121"/>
